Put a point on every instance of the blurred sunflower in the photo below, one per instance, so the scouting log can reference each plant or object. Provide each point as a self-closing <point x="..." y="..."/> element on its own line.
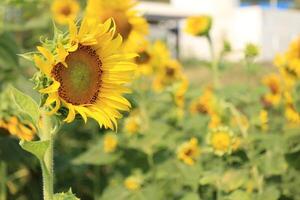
<point x="133" y="123"/>
<point x="129" y="23"/>
<point x="23" y="130"/>
<point x="198" y="25"/>
<point x="272" y="81"/>
<point x="204" y="104"/>
<point x="133" y="183"/>
<point x="110" y="143"/>
<point x="289" y="64"/>
<point x="87" y="75"/>
<point x="292" y="115"/>
<point x="144" y="59"/>
<point x="65" y="11"/>
<point x="167" y="75"/>
<point x="221" y="140"/>
<point x="189" y="151"/>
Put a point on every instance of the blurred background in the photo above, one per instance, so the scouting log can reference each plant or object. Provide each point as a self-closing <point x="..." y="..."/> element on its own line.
<point x="269" y="24"/>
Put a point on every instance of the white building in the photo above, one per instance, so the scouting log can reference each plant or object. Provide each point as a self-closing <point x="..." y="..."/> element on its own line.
<point x="271" y="29"/>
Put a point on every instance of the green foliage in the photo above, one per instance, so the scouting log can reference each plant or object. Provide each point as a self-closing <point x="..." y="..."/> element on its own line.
<point x="37" y="148"/>
<point x="65" y="196"/>
<point x="26" y="105"/>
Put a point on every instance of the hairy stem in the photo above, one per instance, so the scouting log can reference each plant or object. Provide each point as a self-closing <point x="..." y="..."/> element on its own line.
<point x="47" y="162"/>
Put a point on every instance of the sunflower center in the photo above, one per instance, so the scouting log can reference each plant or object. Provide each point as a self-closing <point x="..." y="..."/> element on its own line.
<point x="122" y="24"/>
<point x="170" y="71"/>
<point x="81" y="80"/>
<point x="188" y="152"/>
<point x="66" y="10"/>
<point x="143" y="58"/>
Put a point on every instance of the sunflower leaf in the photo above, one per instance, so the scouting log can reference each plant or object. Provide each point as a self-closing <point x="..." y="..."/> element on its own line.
<point x="65" y="196"/>
<point x="25" y="104"/>
<point x="37" y="148"/>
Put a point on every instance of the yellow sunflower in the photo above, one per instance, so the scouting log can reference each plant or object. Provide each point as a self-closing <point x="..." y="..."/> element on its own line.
<point x="292" y="115"/>
<point x="23" y="130"/>
<point x="133" y="123"/>
<point x="144" y="59"/>
<point x="129" y="23"/>
<point x="133" y="183"/>
<point x="65" y="10"/>
<point x="198" y="25"/>
<point x="110" y="143"/>
<point x="168" y="74"/>
<point x="221" y="140"/>
<point x="189" y="151"/>
<point x="272" y="81"/>
<point x="87" y="74"/>
<point x="204" y="104"/>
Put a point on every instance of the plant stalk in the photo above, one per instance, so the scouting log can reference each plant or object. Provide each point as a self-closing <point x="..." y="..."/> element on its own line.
<point x="3" y="179"/>
<point x="214" y="64"/>
<point x="47" y="162"/>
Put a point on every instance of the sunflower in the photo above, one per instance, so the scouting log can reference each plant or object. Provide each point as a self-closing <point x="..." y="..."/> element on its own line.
<point x="23" y="130"/>
<point x="133" y="183"/>
<point x="144" y="59"/>
<point x="221" y="140"/>
<point x="86" y="74"/>
<point x="133" y="123"/>
<point x="292" y="115"/>
<point x="129" y="23"/>
<point x="189" y="151"/>
<point x="204" y="104"/>
<point x="289" y="63"/>
<point x="198" y="25"/>
<point x="110" y="143"/>
<point x="64" y="11"/>
<point x="272" y="81"/>
<point x="168" y="74"/>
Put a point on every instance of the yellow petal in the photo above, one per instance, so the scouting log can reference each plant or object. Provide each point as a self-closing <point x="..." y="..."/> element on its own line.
<point x="46" y="53"/>
<point x="71" y="114"/>
<point x="45" y="67"/>
<point x="52" y="88"/>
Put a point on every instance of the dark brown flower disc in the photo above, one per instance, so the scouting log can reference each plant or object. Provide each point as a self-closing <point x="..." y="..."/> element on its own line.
<point x="170" y="71"/>
<point x="143" y="58"/>
<point x="81" y="80"/>
<point x="66" y="10"/>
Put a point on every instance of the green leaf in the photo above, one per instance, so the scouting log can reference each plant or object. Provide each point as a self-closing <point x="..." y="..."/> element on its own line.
<point x="65" y="196"/>
<point x="37" y="148"/>
<point x="271" y="193"/>
<point x="25" y="104"/>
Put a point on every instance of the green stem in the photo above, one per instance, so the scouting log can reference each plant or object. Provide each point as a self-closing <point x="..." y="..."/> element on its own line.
<point x="47" y="162"/>
<point x="3" y="178"/>
<point x="214" y="64"/>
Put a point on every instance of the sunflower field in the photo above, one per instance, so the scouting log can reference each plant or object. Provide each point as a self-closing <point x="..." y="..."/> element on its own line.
<point x="92" y="107"/>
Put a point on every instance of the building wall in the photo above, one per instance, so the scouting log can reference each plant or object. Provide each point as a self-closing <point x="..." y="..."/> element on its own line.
<point x="270" y="29"/>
